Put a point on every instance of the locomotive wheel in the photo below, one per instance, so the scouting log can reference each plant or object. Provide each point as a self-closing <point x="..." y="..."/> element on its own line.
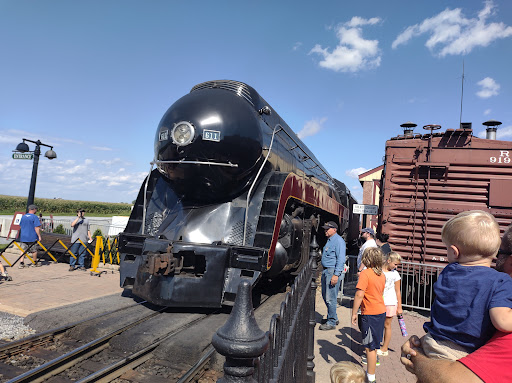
<point x="304" y="251"/>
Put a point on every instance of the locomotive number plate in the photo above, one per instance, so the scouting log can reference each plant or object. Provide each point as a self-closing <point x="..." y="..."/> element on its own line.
<point x="211" y="135"/>
<point x="164" y="135"/>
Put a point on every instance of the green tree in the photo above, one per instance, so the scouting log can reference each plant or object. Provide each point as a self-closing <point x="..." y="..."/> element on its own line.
<point x="59" y="230"/>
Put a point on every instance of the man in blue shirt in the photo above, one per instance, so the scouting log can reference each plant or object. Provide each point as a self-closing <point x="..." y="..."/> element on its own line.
<point x="333" y="261"/>
<point x="30" y="233"/>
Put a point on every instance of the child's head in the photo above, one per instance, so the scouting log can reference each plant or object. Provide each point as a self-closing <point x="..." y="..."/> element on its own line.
<point x="373" y="259"/>
<point x="393" y="259"/>
<point x="382" y="237"/>
<point x="475" y="233"/>
<point x="348" y="372"/>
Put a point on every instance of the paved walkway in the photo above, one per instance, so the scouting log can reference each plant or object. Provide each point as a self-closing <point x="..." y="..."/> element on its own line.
<point x="51" y="285"/>
<point x="344" y="344"/>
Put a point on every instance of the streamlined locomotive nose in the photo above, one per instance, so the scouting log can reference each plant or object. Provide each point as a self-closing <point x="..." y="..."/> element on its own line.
<point x="208" y="144"/>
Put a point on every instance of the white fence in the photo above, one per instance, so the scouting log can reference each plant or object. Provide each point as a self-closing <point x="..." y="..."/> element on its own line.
<point x="108" y="226"/>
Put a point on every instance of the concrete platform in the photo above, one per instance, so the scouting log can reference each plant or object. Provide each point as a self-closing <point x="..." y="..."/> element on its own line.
<point x="344" y="344"/>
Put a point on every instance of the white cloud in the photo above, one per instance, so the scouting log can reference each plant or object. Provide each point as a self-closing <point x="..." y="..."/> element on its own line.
<point x="101" y="148"/>
<point x="73" y="179"/>
<point x="504" y="133"/>
<point x="487" y="112"/>
<point x="353" y="53"/>
<point x="451" y="33"/>
<point x="110" y="162"/>
<point x="354" y="173"/>
<point x="311" y="127"/>
<point x="297" y="45"/>
<point x="489" y="88"/>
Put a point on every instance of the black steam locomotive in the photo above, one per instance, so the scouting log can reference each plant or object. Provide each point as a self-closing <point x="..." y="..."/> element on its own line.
<point x="235" y="196"/>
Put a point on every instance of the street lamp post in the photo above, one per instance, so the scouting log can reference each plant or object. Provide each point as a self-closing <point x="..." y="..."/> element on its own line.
<point x="50" y="154"/>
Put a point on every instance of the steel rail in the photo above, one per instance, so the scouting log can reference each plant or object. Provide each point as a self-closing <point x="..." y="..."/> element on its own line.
<point x="198" y="366"/>
<point x="21" y="345"/>
<point x="63" y="362"/>
<point x="116" y="369"/>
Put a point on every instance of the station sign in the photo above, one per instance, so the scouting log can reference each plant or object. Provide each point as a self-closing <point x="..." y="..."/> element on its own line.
<point x="365" y="209"/>
<point x="23" y="156"/>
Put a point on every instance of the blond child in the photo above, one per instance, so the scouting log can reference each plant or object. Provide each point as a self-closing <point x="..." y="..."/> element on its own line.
<point x="392" y="297"/>
<point x="472" y="299"/>
<point x="369" y="297"/>
<point x="348" y="372"/>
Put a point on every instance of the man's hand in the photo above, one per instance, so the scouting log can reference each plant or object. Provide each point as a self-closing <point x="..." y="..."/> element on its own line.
<point x="408" y="352"/>
<point x="334" y="280"/>
<point x="354" y="319"/>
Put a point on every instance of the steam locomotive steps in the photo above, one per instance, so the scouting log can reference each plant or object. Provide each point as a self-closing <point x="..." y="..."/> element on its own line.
<point x="265" y="228"/>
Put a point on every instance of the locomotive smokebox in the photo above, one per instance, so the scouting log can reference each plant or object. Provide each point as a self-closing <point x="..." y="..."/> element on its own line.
<point x="208" y="144"/>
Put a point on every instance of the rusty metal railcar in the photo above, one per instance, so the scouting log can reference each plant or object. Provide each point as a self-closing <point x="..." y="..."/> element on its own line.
<point x="429" y="178"/>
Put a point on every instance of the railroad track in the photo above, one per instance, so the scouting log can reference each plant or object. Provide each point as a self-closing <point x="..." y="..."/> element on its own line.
<point x="44" y="338"/>
<point x="103" y="360"/>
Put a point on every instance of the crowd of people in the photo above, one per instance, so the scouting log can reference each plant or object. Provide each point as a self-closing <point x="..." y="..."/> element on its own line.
<point x="469" y="335"/>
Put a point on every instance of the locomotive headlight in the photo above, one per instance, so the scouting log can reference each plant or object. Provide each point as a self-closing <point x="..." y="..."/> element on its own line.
<point x="183" y="133"/>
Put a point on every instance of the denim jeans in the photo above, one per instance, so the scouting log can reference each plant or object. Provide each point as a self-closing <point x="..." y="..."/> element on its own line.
<point x="79" y="251"/>
<point x="330" y="295"/>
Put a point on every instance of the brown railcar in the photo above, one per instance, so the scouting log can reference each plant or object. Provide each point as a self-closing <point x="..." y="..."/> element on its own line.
<point x="429" y="178"/>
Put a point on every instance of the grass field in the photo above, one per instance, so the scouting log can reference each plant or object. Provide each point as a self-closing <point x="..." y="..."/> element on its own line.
<point x="11" y="204"/>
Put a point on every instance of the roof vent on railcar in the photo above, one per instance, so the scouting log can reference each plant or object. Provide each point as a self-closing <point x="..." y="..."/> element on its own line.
<point x="408" y="128"/>
<point x="466" y="125"/>
<point x="492" y="127"/>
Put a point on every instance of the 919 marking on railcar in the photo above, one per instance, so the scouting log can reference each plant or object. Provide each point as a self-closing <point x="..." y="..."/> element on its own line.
<point x="211" y="135"/>
<point x="504" y="158"/>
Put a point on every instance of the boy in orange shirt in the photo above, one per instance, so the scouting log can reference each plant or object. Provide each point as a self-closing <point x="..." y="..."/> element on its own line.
<point x="369" y="296"/>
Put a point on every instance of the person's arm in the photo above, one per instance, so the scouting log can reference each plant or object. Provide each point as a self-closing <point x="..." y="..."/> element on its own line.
<point x="38" y="232"/>
<point x="358" y="298"/>
<point x="433" y="370"/>
<point x="501" y="318"/>
<point x="89" y="235"/>
<point x="340" y="261"/>
<point x="398" y="297"/>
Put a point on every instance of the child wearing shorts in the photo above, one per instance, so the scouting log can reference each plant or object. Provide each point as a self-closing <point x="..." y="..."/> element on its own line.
<point x="369" y="297"/>
<point x="472" y="299"/>
<point x="392" y="298"/>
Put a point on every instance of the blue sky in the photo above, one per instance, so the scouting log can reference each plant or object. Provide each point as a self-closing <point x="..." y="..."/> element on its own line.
<point x="93" y="78"/>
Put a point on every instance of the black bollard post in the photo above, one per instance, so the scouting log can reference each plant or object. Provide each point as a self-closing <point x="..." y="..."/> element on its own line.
<point x="313" y="255"/>
<point x="240" y="340"/>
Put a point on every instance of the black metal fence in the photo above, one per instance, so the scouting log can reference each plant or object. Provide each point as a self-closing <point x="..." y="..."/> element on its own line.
<point x="286" y="352"/>
<point x="417" y="285"/>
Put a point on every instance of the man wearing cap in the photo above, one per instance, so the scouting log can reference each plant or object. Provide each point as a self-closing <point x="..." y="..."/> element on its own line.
<point x="30" y="232"/>
<point x="368" y="236"/>
<point x="333" y="261"/>
<point x="81" y="232"/>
